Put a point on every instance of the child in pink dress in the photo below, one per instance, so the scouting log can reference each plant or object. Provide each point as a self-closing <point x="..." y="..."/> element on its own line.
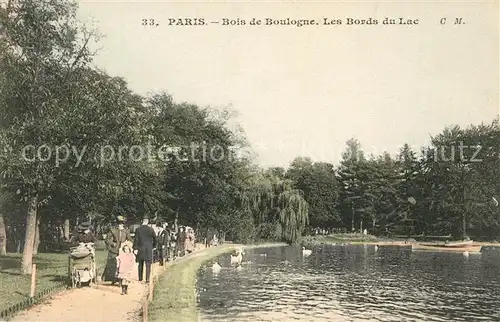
<point x="124" y="266"/>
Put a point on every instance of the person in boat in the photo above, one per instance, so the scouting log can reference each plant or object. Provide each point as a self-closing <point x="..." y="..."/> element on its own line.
<point x="114" y="241"/>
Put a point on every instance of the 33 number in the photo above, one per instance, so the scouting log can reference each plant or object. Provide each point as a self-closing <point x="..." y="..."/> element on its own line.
<point x="149" y="22"/>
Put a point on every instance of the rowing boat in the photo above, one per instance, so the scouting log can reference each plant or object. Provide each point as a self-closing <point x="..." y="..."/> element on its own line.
<point x="470" y="249"/>
<point x="464" y="243"/>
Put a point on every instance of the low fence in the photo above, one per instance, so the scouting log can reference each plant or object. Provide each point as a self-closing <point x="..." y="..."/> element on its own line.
<point x="34" y="298"/>
<point x="157" y="270"/>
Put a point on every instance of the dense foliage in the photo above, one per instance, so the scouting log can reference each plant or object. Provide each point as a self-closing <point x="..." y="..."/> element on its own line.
<point x="195" y="170"/>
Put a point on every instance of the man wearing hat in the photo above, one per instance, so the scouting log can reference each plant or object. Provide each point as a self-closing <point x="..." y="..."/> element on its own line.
<point x="114" y="239"/>
<point x="144" y="242"/>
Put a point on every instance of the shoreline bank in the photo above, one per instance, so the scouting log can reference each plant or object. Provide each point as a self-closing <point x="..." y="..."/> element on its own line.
<point x="175" y="297"/>
<point x="332" y="240"/>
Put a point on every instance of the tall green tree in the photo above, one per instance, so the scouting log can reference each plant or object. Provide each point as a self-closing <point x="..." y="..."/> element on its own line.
<point x="350" y="177"/>
<point x="321" y="190"/>
<point x="42" y="44"/>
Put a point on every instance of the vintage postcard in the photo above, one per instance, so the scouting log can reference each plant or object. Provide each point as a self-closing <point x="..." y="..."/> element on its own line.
<point x="249" y="160"/>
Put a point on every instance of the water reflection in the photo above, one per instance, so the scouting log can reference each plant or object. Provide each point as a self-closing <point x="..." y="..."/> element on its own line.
<point x="353" y="283"/>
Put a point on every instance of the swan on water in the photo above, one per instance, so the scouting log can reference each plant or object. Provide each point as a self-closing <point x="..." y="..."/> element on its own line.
<point x="238" y="258"/>
<point x="306" y="252"/>
<point x="376" y="247"/>
<point x="466" y="254"/>
<point x="216" y="267"/>
<point x="494" y="201"/>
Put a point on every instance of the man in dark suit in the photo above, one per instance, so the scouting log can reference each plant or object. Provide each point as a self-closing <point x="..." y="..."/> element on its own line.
<point x="144" y="242"/>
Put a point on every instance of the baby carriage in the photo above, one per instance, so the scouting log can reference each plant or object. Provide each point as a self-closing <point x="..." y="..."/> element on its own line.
<point x="82" y="268"/>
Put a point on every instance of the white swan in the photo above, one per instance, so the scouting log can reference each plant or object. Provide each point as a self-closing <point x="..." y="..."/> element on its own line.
<point x="466" y="254"/>
<point x="216" y="268"/>
<point x="376" y="247"/>
<point x="306" y="252"/>
<point x="237" y="259"/>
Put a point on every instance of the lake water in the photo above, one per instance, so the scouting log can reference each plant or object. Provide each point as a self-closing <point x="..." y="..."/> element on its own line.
<point x="353" y="283"/>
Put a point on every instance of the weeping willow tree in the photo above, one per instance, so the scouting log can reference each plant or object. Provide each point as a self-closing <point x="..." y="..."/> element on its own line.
<point x="279" y="211"/>
<point x="293" y="212"/>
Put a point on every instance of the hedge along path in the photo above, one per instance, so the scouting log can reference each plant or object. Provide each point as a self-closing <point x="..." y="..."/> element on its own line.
<point x="101" y="303"/>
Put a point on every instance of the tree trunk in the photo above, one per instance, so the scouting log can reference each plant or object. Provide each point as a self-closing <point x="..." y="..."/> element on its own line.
<point x="66" y="230"/>
<point x="352" y="223"/>
<point x="3" y="237"/>
<point x="18" y="243"/>
<point x="464" y="227"/>
<point x="37" y="236"/>
<point x="29" y="240"/>
<point x="176" y="227"/>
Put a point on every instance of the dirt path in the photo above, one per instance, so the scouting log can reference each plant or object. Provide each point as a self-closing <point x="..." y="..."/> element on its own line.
<point x="102" y="303"/>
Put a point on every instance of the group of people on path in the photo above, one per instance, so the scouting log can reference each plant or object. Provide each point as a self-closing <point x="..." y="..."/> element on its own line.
<point x="151" y="242"/>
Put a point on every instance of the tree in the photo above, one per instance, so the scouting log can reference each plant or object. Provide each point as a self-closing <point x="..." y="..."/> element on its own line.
<point x="349" y="177"/>
<point x="41" y="46"/>
<point x="458" y="171"/>
<point x="4" y="199"/>
<point x="319" y="185"/>
<point x="280" y="211"/>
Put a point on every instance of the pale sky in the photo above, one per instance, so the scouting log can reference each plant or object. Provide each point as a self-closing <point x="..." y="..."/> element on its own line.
<point x="305" y="91"/>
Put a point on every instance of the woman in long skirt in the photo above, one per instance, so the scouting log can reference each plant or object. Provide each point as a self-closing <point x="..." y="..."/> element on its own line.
<point x="114" y="239"/>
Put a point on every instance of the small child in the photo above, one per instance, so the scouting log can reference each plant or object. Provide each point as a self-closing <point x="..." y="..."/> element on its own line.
<point x="124" y="266"/>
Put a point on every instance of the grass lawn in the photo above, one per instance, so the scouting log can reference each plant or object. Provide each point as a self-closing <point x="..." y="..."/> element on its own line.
<point x="52" y="270"/>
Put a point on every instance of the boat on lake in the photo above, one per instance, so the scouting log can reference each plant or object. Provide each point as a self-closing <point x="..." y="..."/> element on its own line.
<point x="471" y="249"/>
<point x="463" y="243"/>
